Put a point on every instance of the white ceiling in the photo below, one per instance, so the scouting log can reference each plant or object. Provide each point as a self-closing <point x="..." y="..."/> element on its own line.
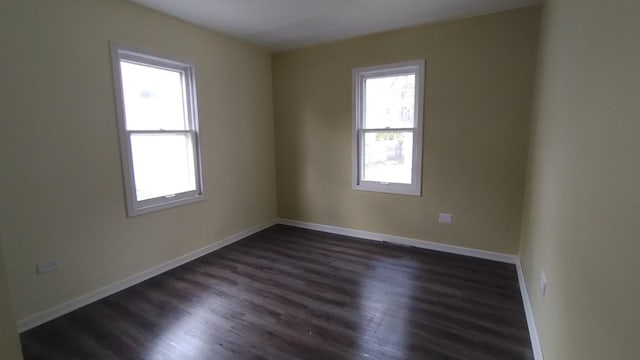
<point x="287" y="24"/>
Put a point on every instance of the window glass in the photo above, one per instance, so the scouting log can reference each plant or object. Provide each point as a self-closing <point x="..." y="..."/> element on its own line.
<point x="153" y="98"/>
<point x="388" y="157"/>
<point x="389" y="102"/>
<point x="163" y="164"/>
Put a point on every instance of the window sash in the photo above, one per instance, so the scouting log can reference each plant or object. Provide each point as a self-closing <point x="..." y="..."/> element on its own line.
<point x="186" y="76"/>
<point x="175" y="196"/>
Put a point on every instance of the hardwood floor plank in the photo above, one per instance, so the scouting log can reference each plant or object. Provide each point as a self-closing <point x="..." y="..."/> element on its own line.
<point x="290" y="293"/>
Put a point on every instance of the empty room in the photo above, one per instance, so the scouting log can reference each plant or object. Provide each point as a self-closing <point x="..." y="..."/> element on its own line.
<point x="319" y="179"/>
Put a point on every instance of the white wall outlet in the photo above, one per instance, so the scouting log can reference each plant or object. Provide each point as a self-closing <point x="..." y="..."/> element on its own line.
<point x="543" y="283"/>
<point x="445" y="218"/>
<point x="47" y="266"/>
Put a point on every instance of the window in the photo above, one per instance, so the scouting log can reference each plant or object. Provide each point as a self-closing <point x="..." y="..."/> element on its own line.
<point x="387" y="128"/>
<point x="158" y="123"/>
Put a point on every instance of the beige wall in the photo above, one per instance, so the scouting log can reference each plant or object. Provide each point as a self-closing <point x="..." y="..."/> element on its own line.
<point x="61" y="193"/>
<point x="582" y="212"/>
<point x="61" y="181"/>
<point x="9" y="343"/>
<point x="479" y="84"/>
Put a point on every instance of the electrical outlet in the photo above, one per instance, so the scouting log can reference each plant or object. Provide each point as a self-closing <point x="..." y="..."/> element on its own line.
<point x="47" y="266"/>
<point x="543" y="283"/>
<point x="445" y="218"/>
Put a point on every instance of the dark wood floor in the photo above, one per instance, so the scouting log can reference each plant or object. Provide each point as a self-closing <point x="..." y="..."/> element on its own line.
<point x="289" y="293"/>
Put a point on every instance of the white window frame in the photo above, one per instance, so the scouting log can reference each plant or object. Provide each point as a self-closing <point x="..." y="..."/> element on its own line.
<point x="359" y="75"/>
<point x="135" y="207"/>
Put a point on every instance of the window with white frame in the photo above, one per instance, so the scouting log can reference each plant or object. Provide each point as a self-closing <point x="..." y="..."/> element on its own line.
<point x="387" y="127"/>
<point x="158" y="123"/>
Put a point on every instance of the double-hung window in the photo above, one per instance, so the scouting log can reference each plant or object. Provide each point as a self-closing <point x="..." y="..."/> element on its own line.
<point x="387" y="127"/>
<point x="158" y="123"/>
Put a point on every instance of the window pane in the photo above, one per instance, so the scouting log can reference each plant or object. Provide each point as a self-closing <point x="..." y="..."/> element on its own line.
<point x="153" y="98"/>
<point x="163" y="164"/>
<point x="389" y="102"/>
<point x="388" y="157"/>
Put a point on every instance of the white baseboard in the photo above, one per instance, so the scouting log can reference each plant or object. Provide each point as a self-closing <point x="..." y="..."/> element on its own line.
<point x="507" y="258"/>
<point x="533" y="332"/>
<point x="71" y="305"/>
<point x="453" y="249"/>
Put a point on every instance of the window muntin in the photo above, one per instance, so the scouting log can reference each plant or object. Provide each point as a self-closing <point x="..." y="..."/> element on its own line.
<point x="159" y="131"/>
<point x="387" y="136"/>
